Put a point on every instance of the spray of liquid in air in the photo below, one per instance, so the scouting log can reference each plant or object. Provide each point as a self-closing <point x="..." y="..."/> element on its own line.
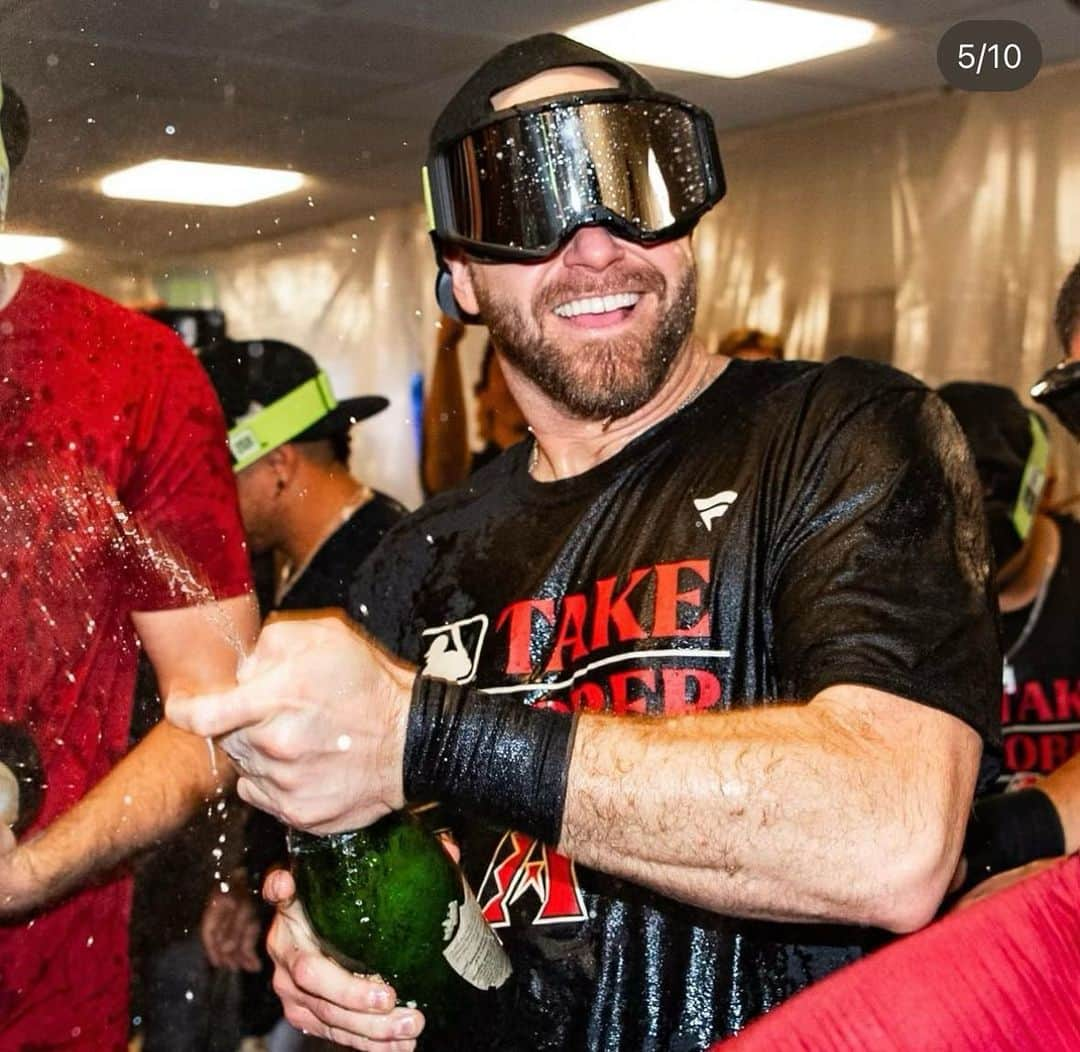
<point x="67" y="542"/>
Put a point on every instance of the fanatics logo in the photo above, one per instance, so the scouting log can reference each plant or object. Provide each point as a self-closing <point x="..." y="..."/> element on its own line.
<point x="714" y="507"/>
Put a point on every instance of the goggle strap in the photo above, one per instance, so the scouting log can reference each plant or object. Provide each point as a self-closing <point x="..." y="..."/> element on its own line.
<point x="1032" y="481"/>
<point x="425" y="180"/>
<point x="281" y="421"/>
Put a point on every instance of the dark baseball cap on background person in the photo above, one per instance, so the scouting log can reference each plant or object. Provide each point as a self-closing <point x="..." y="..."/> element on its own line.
<point x="198" y="327"/>
<point x="1011" y="451"/>
<point x="1059" y="390"/>
<point x="273" y="392"/>
<point x="515" y="184"/>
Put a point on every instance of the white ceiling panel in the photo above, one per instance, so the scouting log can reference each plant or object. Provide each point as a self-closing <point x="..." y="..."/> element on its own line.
<point x="346" y="90"/>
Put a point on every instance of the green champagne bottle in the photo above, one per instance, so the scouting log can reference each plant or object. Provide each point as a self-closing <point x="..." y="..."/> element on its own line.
<point x="388" y="900"/>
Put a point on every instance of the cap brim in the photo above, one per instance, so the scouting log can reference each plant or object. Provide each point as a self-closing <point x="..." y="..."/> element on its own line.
<point x="348" y="411"/>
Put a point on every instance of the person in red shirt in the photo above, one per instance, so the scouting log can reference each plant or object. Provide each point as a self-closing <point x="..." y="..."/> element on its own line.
<point x="1002" y="974"/>
<point x="120" y="528"/>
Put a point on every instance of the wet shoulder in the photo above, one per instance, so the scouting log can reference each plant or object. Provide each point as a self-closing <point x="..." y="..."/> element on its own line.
<point x="842" y="382"/>
<point x="846" y="395"/>
<point x="409" y="550"/>
<point x="468" y="503"/>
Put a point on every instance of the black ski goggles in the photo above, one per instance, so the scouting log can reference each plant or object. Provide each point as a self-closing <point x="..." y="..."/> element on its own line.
<point x="518" y="186"/>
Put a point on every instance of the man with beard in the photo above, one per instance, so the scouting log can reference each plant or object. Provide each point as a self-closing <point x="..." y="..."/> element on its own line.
<point x="1037" y="559"/>
<point x="704" y="668"/>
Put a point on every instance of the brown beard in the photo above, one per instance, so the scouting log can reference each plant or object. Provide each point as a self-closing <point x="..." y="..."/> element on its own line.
<point x="604" y="379"/>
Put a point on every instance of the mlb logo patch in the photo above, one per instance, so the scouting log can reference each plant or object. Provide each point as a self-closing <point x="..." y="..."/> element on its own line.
<point x="452" y="652"/>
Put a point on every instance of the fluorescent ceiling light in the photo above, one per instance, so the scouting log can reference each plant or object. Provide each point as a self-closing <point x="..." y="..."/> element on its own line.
<point x="196" y="183"/>
<point x="28" y="248"/>
<point x="723" y="38"/>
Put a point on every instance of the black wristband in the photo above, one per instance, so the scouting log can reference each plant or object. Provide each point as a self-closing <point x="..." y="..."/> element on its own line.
<point x="1011" y="830"/>
<point x="488" y="755"/>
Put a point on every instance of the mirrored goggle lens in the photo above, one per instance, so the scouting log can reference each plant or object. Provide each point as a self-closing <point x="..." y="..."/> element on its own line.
<point x="524" y="182"/>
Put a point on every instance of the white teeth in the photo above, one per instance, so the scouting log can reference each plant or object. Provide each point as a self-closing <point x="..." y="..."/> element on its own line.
<point x="597" y="304"/>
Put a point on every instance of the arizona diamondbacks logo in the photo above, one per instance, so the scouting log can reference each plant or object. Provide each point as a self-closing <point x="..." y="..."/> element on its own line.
<point x="524" y="868"/>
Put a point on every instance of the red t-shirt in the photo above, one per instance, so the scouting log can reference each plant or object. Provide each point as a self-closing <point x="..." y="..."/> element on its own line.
<point x="112" y="451"/>
<point x="1002" y="974"/>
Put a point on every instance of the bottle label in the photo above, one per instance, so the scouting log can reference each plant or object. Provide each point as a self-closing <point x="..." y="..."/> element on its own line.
<point x="474" y="950"/>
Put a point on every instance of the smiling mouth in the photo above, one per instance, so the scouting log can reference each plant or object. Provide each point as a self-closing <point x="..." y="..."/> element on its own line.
<point x="598" y="305"/>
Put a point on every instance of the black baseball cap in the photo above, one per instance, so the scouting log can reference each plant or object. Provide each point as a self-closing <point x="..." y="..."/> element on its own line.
<point x="471" y="104"/>
<point x="198" y="327"/>
<point x="1059" y="390"/>
<point x="283" y="387"/>
<point x="994" y="421"/>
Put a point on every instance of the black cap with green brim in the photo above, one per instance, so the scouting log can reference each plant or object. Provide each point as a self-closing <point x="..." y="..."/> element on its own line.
<point x="273" y="392"/>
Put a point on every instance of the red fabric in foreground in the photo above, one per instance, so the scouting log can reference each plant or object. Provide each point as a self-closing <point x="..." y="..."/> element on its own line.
<point x="1001" y="975"/>
<point x="109" y="430"/>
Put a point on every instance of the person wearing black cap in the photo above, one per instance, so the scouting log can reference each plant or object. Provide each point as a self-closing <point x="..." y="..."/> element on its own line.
<point x="1037" y="555"/>
<point x="289" y="438"/>
<point x="1059" y="388"/>
<point x="115" y="490"/>
<point x="705" y="667"/>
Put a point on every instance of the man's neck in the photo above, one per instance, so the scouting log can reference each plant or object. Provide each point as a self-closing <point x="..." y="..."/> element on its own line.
<point x="1043" y="549"/>
<point x="321" y="503"/>
<point x="568" y="446"/>
<point x="10" y="280"/>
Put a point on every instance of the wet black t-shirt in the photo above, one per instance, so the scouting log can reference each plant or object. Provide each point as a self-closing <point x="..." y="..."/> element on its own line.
<point x="1040" y="704"/>
<point x="325" y="581"/>
<point x="796" y="526"/>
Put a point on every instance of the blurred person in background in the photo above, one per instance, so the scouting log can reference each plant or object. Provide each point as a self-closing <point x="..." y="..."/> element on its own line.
<point x="1067" y="314"/>
<point x="1059" y="388"/>
<point x="499" y="420"/>
<point x="447" y="459"/>
<point x="121" y="529"/>
<point x="1037" y="559"/>
<point x="299" y="502"/>
<point x="1038" y="555"/>
<point x="751" y="344"/>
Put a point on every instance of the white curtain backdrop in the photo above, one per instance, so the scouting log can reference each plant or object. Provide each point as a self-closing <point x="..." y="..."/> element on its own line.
<point x="931" y="231"/>
<point x="357" y="296"/>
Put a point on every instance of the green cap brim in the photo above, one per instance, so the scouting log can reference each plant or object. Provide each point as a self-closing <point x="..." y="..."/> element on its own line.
<point x="281" y="421"/>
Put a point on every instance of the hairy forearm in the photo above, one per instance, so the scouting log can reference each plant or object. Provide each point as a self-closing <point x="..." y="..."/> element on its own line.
<point x="1063" y="788"/>
<point x="143" y="800"/>
<point x="841" y="812"/>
